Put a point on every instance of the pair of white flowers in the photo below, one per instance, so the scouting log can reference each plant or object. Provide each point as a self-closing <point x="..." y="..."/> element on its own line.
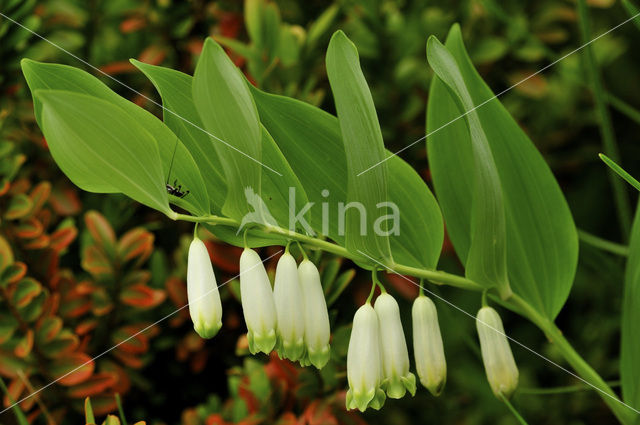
<point x="292" y="318"/>
<point x="378" y="358"/>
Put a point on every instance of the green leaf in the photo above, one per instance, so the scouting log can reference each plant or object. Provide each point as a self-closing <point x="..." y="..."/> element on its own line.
<point x="632" y="10"/>
<point x="542" y="241"/>
<point x="620" y="171"/>
<point x="94" y="142"/>
<point x="21" y="418"/>
<point x="228" y="112"/>
<point x="238" y="47"/>
<point x="319" y="28"/>
<point x="182" y="165"/>
<point x="629" y="341"/>
<point x="182" y="118"/>
<point x="321" y="166"/>
<point x="88" y="412"/>
<point x="175" y="89"/>
<point x="363" y="146"/>
<point x="486" y="261"/>
<point x="276" y="197"/>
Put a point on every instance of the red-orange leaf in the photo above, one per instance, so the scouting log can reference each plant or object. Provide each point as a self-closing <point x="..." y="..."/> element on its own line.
<point x="127" y="359"/>
<point x="136" y="277"/>
<point x="8" y="326"/>
<point x="39" y="196"/>
<point x="19" y="206"/>
<point x="65" y="201"/>
<point x="142" y="296"/>
<point x="103" y="405"/>
<point x="95" y="261"/>
<point x="132" y="24"/>
<point x="224" y="256"/>
<point x="25" y="344"/>
<point x="26" y="290"/>
<point x="13" y="273"/>
<point x="48" y="329"/>
<point x="177" y="291"/>
<point x="62" y="238"/>
<point x="29" y="229"/>
<point x="65" y="343"/>
<point x="97" y="384"/>
<point x="72" y="369"/>
<point x="153" y="55"/>
<point x="6" y="254"/>
<point x="101" y="231"/>
<point x="135" y="243"/>
<point x="4" y="187"/>
<point x="126" y="341"/>
<point x="40" y="242"/>
<point x="86" y="326"/>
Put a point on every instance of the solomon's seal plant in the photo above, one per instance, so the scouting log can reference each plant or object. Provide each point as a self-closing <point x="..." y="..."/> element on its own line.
<point x="427" y="345"/>
<point x="287" y="294"/>
<point x="502" y="372"/>
<point x="272" y="166"/>
<point x="395" y="357"/>
<point x="205" y="307"/>
<point x="257" y="303"/>
<point x="364" y="361"/>
<point x="316" y="317"/>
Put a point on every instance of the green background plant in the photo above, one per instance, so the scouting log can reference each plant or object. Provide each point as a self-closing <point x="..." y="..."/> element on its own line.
<point x="504" y="42"/>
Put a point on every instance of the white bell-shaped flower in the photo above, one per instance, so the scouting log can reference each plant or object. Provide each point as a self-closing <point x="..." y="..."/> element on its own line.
<point x="395" y="357"/>
<point x="364" y="362"/>
<point x="289" y="302"/>
<point x="427" y="345"/>
<point x="205" y="307"/>
<point x="316" y="317"/>
<point x="257" y="303"/>
<point x="499" y="364"/>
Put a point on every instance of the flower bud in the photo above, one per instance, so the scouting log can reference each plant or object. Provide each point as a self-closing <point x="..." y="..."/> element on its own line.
<point x="364" y="364"/>
<point x="499" y="364"/>
<point x="205" y="307"/>
<point x="316" y="317"/>
<point x="257" y="303"/>
<point x="289" y="304"/>
<point x="427" y="345"/>
<point x="395" y="357"/>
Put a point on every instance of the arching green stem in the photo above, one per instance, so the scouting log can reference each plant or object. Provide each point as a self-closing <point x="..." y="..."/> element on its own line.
<point x="624" y="414"/>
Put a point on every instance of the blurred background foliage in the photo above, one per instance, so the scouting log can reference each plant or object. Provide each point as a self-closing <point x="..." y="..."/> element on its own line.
<point x="80" y="273"/>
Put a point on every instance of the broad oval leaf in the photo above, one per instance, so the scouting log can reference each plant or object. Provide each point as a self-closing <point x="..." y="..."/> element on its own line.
<point x="629" y="341"/>
<point x="72" y="369"/>
<point x="486" y="261"/>
<point x="175" y="89"/>
<point x="180" y="115"/>
<point x="364" y="149"/>
<point x="94" y="141"/>
<point x="542" y="241"/>
<point x="229" y="114"/>
<point x="310" y="139"/>
<point x="177" y="162"/>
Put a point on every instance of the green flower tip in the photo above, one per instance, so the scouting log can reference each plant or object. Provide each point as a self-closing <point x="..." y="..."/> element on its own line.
<point x="207" y="331"/>
<point x="262" y="343"/>
<point x="292" y="351"/>
<point x="437" y="388"/>
<point x="397" y="386"/>
<point x="373" y="398"/>
<point x="319" y="358"/>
